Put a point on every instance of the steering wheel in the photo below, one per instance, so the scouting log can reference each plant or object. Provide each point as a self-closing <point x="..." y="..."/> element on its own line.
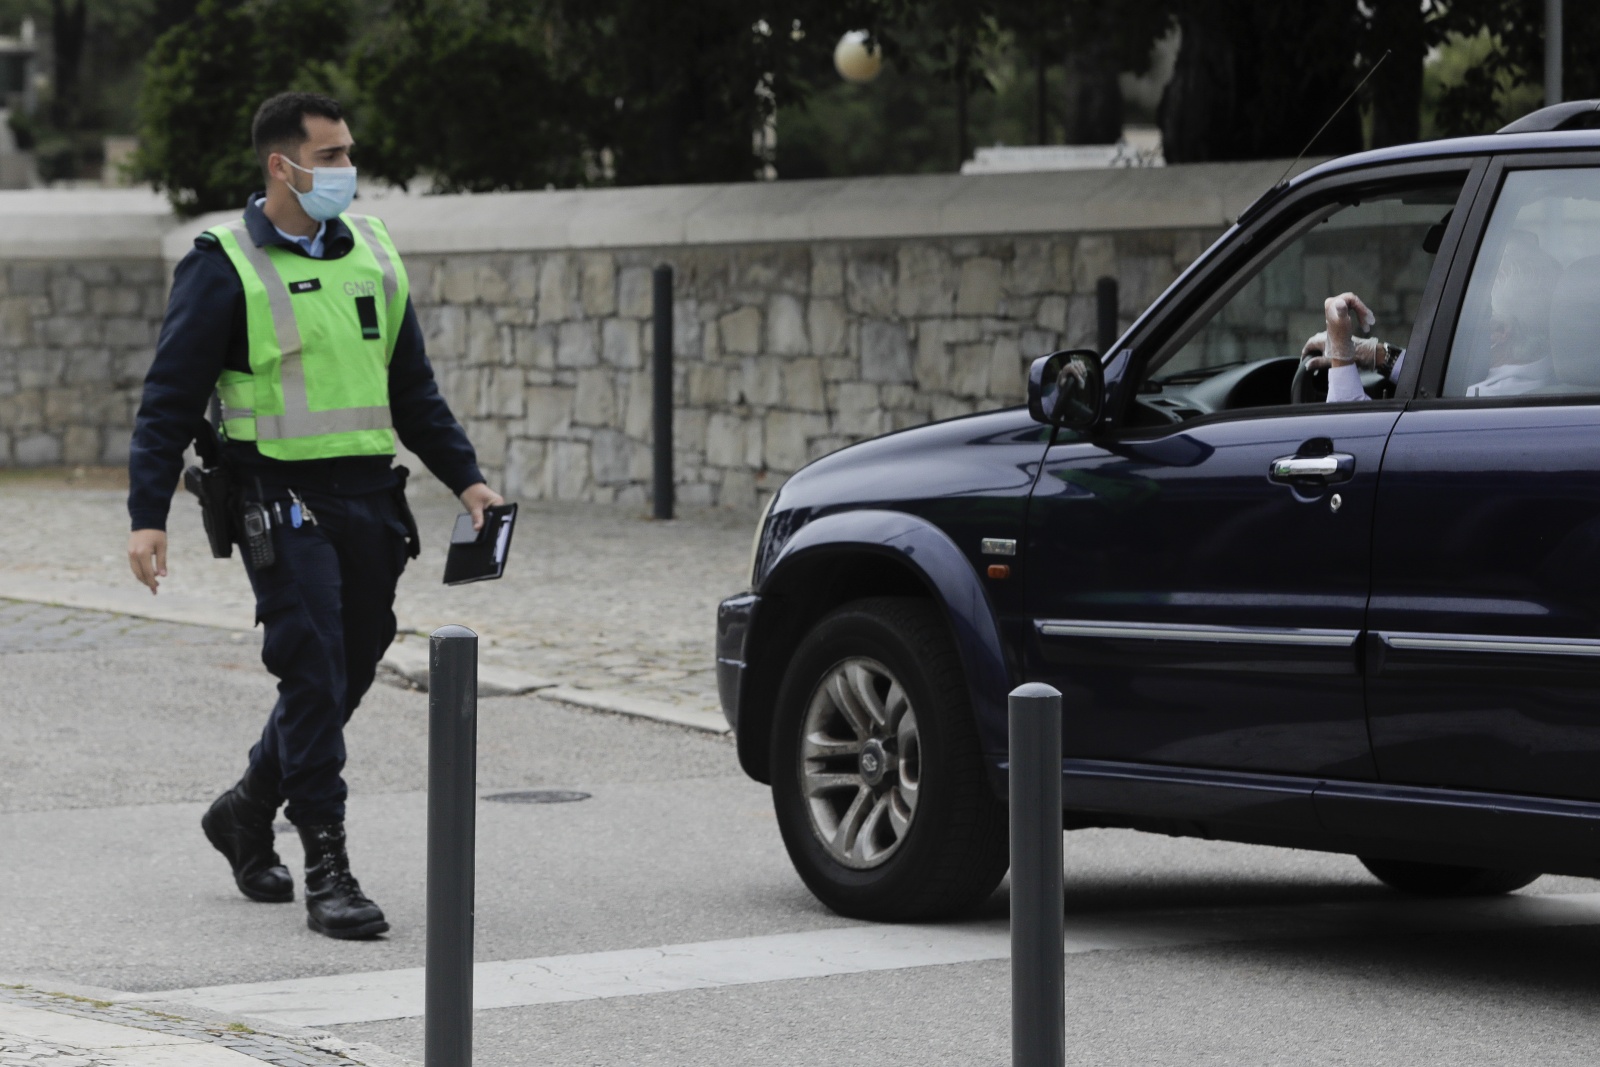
<point x="1309" y="386"/>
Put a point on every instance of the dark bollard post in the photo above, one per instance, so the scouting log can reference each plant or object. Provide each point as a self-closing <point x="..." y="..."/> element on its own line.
<point x="1105" y="312"/>
<point x="1038" y="967"/>
<point x="661" y="365"/>
<point x="452" y="795"/>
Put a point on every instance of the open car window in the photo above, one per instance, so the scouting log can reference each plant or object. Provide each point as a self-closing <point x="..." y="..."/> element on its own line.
<point x="1529" y="319"/>
<point x="1242" y="349"/>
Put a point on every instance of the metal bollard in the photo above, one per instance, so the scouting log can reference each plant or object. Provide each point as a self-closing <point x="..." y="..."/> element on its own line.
<point x="661" y="367"/>
<point x="1105" y="311"/>
<point x="1038" y="965"/>
<point x="452" y="795"/>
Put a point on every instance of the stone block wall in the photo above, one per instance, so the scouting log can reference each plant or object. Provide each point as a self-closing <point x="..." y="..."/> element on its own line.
<point x="76" y="338"/>
<point x="784" y="352"/>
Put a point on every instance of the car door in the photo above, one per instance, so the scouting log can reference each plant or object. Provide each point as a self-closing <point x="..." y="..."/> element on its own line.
<point x="1485" y="616"/>
<point x="1200" y="570"/>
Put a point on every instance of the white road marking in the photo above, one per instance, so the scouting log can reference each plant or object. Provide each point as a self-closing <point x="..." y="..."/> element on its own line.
<point x="378" y="995"/>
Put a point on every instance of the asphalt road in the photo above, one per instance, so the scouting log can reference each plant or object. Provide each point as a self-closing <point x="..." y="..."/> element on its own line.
<point x="117" y="733"/>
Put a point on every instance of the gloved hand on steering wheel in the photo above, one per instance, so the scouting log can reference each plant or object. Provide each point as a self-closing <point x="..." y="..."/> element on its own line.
<point x="1346" y="315"/>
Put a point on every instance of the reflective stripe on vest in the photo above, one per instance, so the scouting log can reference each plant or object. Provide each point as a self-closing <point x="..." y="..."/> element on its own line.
<point x="390" y="284"/>
<point x="300" y="432"/>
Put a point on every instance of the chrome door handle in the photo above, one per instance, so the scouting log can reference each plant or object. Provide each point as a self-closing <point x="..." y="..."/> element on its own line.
<point x="1334" y="467"/>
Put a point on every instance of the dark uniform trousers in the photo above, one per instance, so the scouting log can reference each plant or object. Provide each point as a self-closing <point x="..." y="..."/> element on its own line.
<point x="327" y="606"/>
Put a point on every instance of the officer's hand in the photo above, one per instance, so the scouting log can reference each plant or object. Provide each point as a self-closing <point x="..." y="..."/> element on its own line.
<point x="476" y="498"/>
<point x="147" y="555"/>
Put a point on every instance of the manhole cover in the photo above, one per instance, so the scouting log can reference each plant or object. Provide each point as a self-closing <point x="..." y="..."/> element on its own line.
<point x="539" y="796"/>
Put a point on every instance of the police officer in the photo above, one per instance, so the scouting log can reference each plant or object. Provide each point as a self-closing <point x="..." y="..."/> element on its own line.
<point x="298" y="316"/>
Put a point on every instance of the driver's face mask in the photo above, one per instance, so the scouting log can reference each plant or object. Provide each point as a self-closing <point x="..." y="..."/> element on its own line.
<point x="332" y="190"/>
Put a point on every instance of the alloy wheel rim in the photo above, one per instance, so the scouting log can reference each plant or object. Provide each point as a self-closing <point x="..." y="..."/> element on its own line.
<point x="860" y="763"/>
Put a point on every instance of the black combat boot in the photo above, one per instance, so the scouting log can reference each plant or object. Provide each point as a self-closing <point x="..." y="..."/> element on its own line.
<point x="335" y="905"/>
<point x="239" y="824"/>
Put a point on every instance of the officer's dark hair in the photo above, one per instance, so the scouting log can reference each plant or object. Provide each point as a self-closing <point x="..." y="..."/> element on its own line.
<point x="280" y="122"/>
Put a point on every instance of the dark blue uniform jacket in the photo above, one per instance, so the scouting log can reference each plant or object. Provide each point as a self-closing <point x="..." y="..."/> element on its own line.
<point x="204" y="332"/>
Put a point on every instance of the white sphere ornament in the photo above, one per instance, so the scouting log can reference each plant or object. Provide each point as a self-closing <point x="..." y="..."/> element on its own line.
<point x="855" y="60"/>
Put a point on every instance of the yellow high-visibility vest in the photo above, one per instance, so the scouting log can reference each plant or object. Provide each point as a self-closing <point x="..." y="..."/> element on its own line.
<point x="321" y="334"/>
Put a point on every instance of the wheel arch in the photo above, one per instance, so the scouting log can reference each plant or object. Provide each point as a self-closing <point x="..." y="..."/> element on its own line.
<point x="847" y="556"/>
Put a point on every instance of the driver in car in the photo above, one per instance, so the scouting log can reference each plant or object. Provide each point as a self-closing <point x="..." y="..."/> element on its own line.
<point x="1518" y="333"/>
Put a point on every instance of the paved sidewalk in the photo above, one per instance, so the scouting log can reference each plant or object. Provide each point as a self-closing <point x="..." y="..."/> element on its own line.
<point x="45" y="1029"/>
<point x="596" y="599"/>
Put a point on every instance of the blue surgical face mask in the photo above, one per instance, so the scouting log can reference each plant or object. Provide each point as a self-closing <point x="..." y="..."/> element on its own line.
<point x="332" y="190"/>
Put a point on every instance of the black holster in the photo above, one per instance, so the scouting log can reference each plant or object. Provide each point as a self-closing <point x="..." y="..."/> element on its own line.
<point x="413" y="535"/>
<point x="217" y="492"/>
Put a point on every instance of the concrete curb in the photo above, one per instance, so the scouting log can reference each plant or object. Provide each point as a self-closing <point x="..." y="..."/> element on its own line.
<point x="110" y="1008"/>
<point x="627" y="704"/>
<point x="406" y="658"/>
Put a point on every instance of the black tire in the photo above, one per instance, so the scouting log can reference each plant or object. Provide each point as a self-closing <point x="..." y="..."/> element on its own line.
<point x="953" y="850"/>
<point x="1442" y="880"/>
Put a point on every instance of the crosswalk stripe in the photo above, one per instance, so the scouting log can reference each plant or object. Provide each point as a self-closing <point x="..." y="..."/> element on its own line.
<point x="398" y="994"/>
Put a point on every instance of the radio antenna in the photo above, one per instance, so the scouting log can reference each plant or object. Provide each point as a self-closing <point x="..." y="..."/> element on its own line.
<point x="1336" y="112"/>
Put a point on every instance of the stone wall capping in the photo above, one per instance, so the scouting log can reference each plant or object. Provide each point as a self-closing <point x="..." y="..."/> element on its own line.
<point x="100" y="224"/>
<point x="1204" y="195"/>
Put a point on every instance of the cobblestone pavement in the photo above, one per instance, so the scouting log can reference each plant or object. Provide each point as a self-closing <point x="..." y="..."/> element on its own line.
<point x="28" y="627"/>
<point x="279" y="1049"/>
<point x="596" y="596"/>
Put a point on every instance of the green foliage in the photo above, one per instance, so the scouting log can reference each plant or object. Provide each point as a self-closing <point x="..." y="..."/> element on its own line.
<point x="1504" y="76"/>
<point x="468" y="95"/>
<point x="204" y="80"/>
<point x="683" y="91"/>
<point x="1467" y="88"/>
<point x="474" y="95"/>
<point x="837" y="129"/>
<point x="513" y="94"/>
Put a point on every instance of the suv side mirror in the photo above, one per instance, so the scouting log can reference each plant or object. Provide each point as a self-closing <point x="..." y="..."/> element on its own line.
<point x="1067" y="389"/>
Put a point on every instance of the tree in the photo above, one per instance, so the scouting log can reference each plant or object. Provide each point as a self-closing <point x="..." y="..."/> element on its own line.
<point x="206" y="77"/>
<point x="1514" y="29"/>
<point x="469" y="95"/>
<point x="68" y="28"/>
<point x="1241" y="91"/>
<point x="904" y="122"/>
<point x="686" y="89"/>
<point x="963" y="28"/>
<point x="1406" y="30"/>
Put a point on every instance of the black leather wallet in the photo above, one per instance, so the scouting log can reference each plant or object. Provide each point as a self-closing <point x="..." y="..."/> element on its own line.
<point x="480" y="555"/>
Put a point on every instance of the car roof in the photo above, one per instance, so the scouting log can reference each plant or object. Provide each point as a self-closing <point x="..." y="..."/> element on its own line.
<point x="1486" y="144"/>
<point x="1570" y="140"/>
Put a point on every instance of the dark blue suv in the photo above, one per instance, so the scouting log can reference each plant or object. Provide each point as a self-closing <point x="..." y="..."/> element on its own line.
<point x="1359" y="616"/>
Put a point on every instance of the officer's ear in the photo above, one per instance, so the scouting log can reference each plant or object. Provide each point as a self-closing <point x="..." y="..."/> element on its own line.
<point x="278" y="167"/>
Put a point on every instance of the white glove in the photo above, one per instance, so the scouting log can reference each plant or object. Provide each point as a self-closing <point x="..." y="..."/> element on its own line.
<point x="1346" y="316"/>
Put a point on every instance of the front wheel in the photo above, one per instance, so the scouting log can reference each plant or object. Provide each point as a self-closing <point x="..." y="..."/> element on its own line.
<point x="877" y="777"/>
<point x="1443" y="880"/>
